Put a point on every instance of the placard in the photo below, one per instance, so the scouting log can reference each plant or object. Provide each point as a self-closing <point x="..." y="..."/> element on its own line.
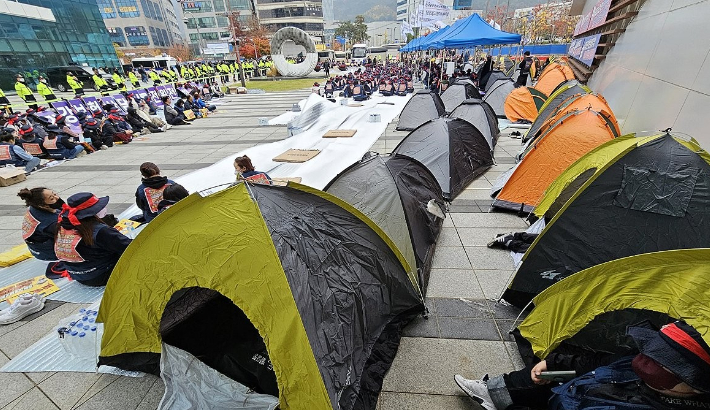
<point x="92" y="104"/>
<point x="589" y="49"/>
<point x="598" y="15"/>
<point x="39" y="285"/>
<point x="112" y="101"/>
<point x="63" y="108"/>
<point x="297" y="155"/>
<point x="78" y="106"/>
<point x="339" y="133"/>
<point x="121" y="101"/>
<point x="155" y="96"/>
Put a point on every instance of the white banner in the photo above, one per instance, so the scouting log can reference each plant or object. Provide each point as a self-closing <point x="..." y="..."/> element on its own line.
<point x="434" y="10"/>
<point x="406" y="29"/>
<point x="493" y="24"/>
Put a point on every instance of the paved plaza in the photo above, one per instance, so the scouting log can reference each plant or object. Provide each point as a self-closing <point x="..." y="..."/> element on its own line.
<point x="466" y="331"/>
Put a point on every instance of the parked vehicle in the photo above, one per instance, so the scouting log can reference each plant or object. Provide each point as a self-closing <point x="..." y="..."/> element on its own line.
<point x="57" y="77"/>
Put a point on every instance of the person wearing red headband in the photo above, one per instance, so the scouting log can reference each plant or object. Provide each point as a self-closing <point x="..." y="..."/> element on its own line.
<point x="670" y="369"/>
<point x="88" y="247"/>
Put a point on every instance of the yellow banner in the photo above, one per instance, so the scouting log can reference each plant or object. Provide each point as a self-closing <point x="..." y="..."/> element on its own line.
<point x="40" y="285"/>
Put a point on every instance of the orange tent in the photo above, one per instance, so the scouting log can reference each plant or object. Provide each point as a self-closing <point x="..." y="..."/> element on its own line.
<point x="571" y="137"/>
<point x="577" y="102"/>
<point x="552" y="76"/>
<point x="522" y="104"/>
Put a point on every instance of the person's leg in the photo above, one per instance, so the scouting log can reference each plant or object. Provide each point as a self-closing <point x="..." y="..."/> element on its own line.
<point x="75" y="152"/>
<point x="31" y="164"/>
<point x="519" y="389"/>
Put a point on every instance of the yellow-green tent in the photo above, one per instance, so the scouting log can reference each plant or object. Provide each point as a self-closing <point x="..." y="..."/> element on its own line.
<point x="676" y="283"/>
<point x="324" y="287"/>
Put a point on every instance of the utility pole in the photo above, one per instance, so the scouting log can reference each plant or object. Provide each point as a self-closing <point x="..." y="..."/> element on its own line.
<point x="235" y="28"/>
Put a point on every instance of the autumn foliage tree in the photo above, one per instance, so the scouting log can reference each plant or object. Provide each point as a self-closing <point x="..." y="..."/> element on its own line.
<point x="248" y="47"/>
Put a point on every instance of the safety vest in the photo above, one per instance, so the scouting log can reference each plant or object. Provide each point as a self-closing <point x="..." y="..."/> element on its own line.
<point x="98" y="81"/>
<point x="2" y="94"/>
<point x="33" y="147"/>
<point x="117" y="79"/>
<point x="43" y="90"/>
<point x="8" y="155"/>
<point x="54" y="147"/>
<point x="74" y="84"/>
<point x="153" y="76"/>
<point x="132" y="77"/>
<point x="83" y="262"/>
<point x="22" y="90"/>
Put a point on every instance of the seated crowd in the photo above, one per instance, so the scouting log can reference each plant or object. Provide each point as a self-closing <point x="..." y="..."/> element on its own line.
<point x="387" y="79"/>
<point x="27" y="138"/>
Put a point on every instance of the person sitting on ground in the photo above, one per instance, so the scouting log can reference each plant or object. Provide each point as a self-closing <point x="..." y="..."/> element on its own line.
<point x="59" y="145"/>
<point x="189" y="104"/>
<point x="61" y="122"/>
<point x="245" y="171"/>
<point x="31" y="142"/>
<point x="88" y="247"/>
<point x="172" y="117"/>
<point x="150" y="192"/>
<point x="109" y="129"/>
<point x="180" y="109"/>
<point x="138" y="124"/>
<point x="670" y="364"/>
<point x="171" y="195"/>
<point x="40" y="221"/>
<point x="92" y="132"/>
<point x="143" y="111"/>
<point x="201" y="104"/>
<point x="11" y="154"/>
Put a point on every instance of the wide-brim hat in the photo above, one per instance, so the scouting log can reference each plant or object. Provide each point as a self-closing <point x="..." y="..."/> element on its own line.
<point x="80" y="206"/>
<point x="53" y="128"/>
<point x="91" y="124"/>
<point x="679" y="348"/>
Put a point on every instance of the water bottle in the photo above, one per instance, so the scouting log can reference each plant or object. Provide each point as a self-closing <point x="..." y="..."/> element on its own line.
<point x="72" y="341"/>
<point x="95" y="342"/>
<point x="81" y="346"/>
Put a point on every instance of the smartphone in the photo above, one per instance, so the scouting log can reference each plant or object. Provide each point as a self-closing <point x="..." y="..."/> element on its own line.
<point x="560" y="376"/>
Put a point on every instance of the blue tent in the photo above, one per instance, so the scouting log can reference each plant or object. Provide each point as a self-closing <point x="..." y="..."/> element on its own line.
<point x="427" y="43"/>
<point x="476" y="32"/>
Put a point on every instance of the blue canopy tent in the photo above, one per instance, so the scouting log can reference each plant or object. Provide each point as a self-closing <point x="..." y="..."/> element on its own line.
<point x="476" y="32"/>
<point x="427" y="44"/>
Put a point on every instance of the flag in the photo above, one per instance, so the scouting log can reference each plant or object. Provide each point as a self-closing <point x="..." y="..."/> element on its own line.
<point x="493" y="24"/>
<point x="433" y="10"/>
<point x="406" y="29"/>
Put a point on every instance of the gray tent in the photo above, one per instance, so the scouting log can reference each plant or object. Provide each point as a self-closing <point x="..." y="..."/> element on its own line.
<point x="422" y="107"/>
<point x="495" y="76"/>
<point x="396" y="192"/>
<point x="454" y="150"/>
<point x="481" y="115"/>
<point x="496" y="95"/>
<point x="457" y="93"/>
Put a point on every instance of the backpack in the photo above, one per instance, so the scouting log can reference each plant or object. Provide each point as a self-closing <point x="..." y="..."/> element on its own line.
<point x="612" y="387"/>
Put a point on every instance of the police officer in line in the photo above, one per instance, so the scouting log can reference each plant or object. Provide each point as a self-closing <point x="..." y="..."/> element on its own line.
<point x="44" y="90"/>
<point x="24" y="92"/>
<point x="118" y="79"/>
<point x="100" y="83"/>
<point x="76" y="85"/>
<point x="134" y="79"/>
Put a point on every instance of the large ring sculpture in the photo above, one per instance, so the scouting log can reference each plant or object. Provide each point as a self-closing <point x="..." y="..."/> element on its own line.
<point x="299" y="37"/>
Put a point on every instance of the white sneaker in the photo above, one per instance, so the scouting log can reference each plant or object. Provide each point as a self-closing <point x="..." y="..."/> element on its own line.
<point x="477" y="390"/>
<point x="24" y="306"/>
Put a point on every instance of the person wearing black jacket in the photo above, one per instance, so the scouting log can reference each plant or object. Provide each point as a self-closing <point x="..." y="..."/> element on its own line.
<point x="172" y="117"/>
<point x="31" y="142"/>
<point x="60" y="145"/>
<point x="109" y="129"/>
<point x="524" y="67"/>
<point x="88" y="247"/>
<point x="138" y="124"/>
<point x="150" y="192"/>
<point x="40" y="221"/>
<point x="92" y="132"/>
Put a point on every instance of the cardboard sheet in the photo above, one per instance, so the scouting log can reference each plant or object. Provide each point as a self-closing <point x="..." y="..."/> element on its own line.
<point x="296" y="156"/>
<point x="339" y="133"/>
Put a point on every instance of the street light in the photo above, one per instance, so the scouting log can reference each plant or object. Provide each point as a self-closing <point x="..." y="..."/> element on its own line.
<point x="199" y="36"/>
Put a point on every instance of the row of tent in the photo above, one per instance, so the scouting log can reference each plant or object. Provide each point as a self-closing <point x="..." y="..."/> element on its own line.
<point x="623" y="222"/>
<point x="472" y="31"/>
<point x="292" y="296"/>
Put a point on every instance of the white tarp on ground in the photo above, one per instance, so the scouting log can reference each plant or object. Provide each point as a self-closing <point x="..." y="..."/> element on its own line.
<point x="335" y="155"/>
<point x="191" y="384"/>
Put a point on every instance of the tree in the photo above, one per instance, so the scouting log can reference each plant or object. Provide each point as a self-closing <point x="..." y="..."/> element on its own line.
<point x="180" y="52"/>
<point x="119" y="53"/>
<point x="355" y="32"/>
<point x="263" y="47"/>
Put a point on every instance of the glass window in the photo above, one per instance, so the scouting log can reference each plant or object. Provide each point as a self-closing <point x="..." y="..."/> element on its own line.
<point x="218" y="5"/>
<point x="240" y="4"/>
<point x="106" y="9"/>
<point x="222" y="21"/>
<point x="158" y="12"/>
<point x="18" y="45"/>
<point x="136" y="36"/>
<point x="116" y="34"/>
<point x="127" y="8"/>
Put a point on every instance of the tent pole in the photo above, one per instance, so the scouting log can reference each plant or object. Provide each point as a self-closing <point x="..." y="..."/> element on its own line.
<point x="443" y="60"/>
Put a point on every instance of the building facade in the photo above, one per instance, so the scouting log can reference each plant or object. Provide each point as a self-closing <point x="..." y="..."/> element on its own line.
<point x="136" y="24"/>
<point x="384" y="32"/>
<point x="207" y="23"/>
<point x="37" y="34"/>
<point x="306" y="15"/>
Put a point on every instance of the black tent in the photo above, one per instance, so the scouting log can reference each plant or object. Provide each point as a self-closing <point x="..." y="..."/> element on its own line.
<point x="395" y="192"/>
<point x="481" y="115"/>
<point x="496" y="95"/>
<point x="457" y="93"/>
<point x="422" y="107"/>
<point x="651" y="198"/>
<point x="454" y="150"/>
<point x="567" y="90"/>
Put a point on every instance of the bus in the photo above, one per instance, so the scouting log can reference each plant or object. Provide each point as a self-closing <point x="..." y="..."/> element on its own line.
<point x="326" y="55"/>
<point x="154" y="62"/>
<point x="378" y="52"/>
<point x="359" y="52"/>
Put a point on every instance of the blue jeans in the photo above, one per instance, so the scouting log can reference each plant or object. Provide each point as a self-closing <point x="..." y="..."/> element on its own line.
<point x="31" y="164"/>
<point x="73" y="153"/>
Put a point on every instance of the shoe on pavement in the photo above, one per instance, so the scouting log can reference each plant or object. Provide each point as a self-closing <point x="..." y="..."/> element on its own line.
<point x="499" y="241"/>
<point x="476" y="390"/>
<point x="24" y="306"/>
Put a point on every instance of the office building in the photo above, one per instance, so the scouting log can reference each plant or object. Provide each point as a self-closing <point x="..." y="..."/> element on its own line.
<point x="37" y="34"/>
<point x="306" y="15"/>
<point x="208" y="25"/>
<point x="146" y="24"/>
<point x="384" y="32"/>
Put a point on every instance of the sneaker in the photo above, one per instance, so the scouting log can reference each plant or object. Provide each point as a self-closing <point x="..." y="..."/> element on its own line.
<point x="104" y="147"/>
<point x="499" y="241"/>
<point x="24" y="306"/>
<point x="476" y="390"/>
